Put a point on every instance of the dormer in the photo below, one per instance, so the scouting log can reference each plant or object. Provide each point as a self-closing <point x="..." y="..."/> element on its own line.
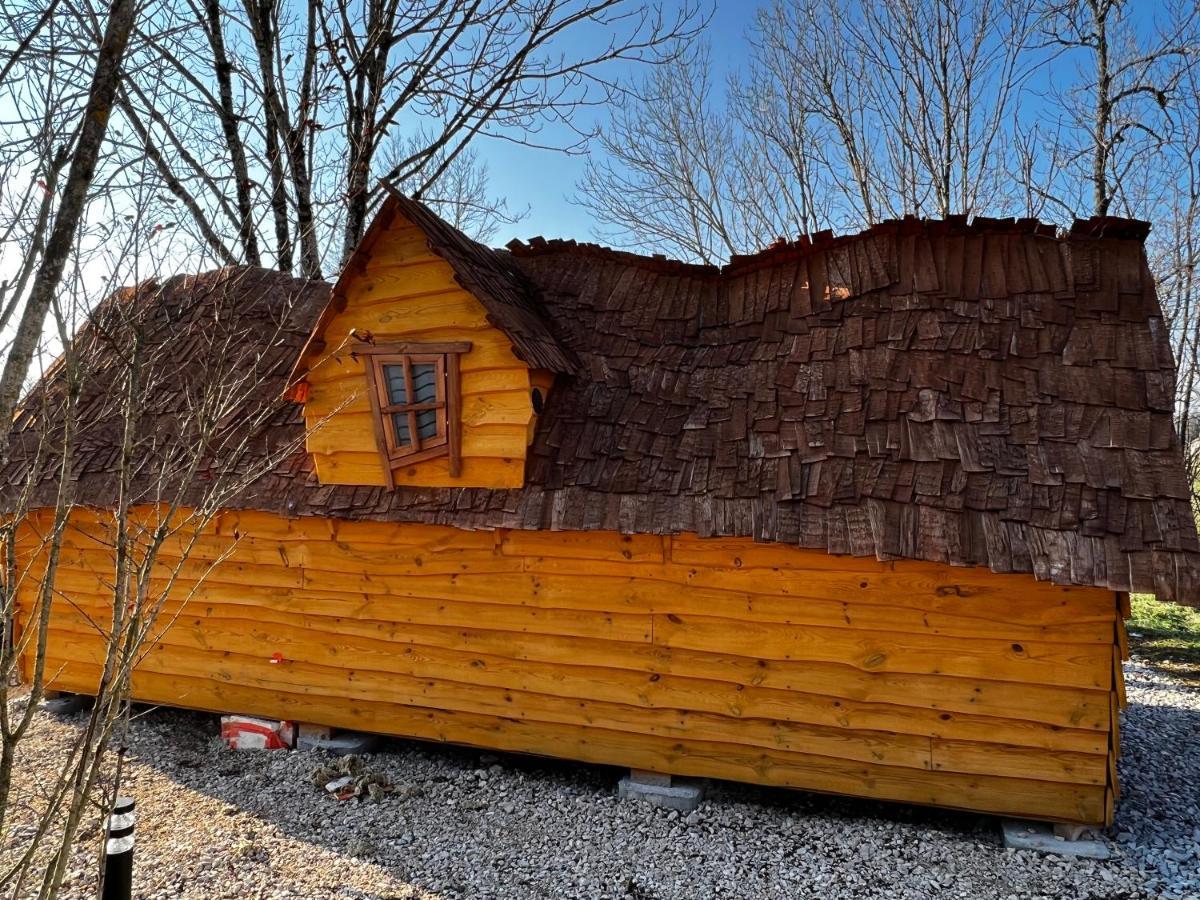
<point x="431" y="363"/>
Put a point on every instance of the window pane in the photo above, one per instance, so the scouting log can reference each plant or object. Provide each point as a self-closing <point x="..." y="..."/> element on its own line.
<point x="424" y="380"/>
<point x="400" y="429"/>
<point x="426" y="422"/>
<point x="393" y="377"/>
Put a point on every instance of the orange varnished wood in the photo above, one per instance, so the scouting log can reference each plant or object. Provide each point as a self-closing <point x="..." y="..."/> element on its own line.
<point x="722" y="658"/>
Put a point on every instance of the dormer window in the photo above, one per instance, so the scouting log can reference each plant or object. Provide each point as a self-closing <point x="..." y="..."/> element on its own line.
<point x="414" y="392"/>
<point x="413" y="402"/>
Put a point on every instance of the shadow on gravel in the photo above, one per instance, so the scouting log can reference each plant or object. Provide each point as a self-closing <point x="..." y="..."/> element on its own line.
<point x="198" y="760"/>
<point x="1185" y="670"/>
<point x="948" y="823"/>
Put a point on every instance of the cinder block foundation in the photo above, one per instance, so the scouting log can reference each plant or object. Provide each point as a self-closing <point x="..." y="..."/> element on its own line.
<point x="1065" y="840"/>
<point x="334" y="740"/>
<point x="666" y="791"/>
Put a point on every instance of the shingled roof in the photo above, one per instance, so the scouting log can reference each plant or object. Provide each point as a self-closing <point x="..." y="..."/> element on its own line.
<point x="988" y="394"/>
<point x="218" y="345"/>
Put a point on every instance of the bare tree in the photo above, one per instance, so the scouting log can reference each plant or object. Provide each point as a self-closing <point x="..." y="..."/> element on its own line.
<point x="1118" y="102"/>
<point x="486" y="67"/>
<point x="268" y="120"/>
<point x="263" y="20"/>
<point x="833" y="95"/>
<point x="946" y="73"/>
<point x="290" y="117"/>
<point x="461" y="194"/>
<point x="85" y="150"/>
<point x="227" y="114"/>
<point x="668" y="177"/>
<point x="185" y="440"/>
<point x="847" y="112"/>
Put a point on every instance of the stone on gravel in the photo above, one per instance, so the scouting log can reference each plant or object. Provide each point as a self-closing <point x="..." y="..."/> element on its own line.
<point x="679" y="794"/>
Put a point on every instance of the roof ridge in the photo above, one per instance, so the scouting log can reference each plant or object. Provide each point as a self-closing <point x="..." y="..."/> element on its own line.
<point x="1114" y="227"/>
<point x="1096" y="227"/>
<point x="540" y="246"/>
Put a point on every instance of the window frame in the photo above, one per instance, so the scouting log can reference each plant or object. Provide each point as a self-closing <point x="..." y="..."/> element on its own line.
<point x="406" y="362"/>
<point x="448" y="439"/>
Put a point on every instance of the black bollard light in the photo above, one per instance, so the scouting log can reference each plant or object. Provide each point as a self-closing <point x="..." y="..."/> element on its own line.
<point x="118" y="852"/>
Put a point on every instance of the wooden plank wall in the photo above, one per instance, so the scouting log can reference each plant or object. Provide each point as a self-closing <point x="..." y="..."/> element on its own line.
<point x="405" y="293"/>
<point x="723" y="658"/>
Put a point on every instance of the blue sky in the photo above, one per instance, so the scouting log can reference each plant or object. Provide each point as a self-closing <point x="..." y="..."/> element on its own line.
<point x="544" y="180"/>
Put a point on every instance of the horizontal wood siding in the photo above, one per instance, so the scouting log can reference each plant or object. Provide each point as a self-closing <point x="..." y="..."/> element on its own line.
<point x="405" y="293"/>
<point x="723" y="658"/>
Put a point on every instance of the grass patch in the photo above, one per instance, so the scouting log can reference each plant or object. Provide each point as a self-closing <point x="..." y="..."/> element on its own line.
<point x="1166" y="635"/>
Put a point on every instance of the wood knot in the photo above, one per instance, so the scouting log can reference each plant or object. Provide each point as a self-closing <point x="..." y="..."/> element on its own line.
<point x="952" y="590"/>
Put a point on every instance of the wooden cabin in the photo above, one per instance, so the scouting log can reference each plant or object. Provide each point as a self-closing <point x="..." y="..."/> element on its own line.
<point x="856" y="515"/>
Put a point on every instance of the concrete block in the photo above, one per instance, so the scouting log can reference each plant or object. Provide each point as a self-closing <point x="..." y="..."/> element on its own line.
<point x="683" y="794"/>
<point x="60" y="703"/>
<point x="1041" y="838"/>
<point x="334" y="740"/>
<point x="645" y="776"/>
<point x="307" y="735"/>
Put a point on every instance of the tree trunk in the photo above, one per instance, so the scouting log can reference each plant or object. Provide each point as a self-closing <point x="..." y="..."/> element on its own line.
<point x="294" y="143"/>
<point x="229" y="126"/>
<point x="357" y="193"/>
<point x="1100" y="192"/>
<point x="362" y="126"/>
<point x="306" y="223"/>
<point x="92" y="130"/>
<point x="262" y="23"/>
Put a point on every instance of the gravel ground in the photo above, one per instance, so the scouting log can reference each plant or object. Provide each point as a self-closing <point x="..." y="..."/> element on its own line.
<point x="216" y="823"/>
